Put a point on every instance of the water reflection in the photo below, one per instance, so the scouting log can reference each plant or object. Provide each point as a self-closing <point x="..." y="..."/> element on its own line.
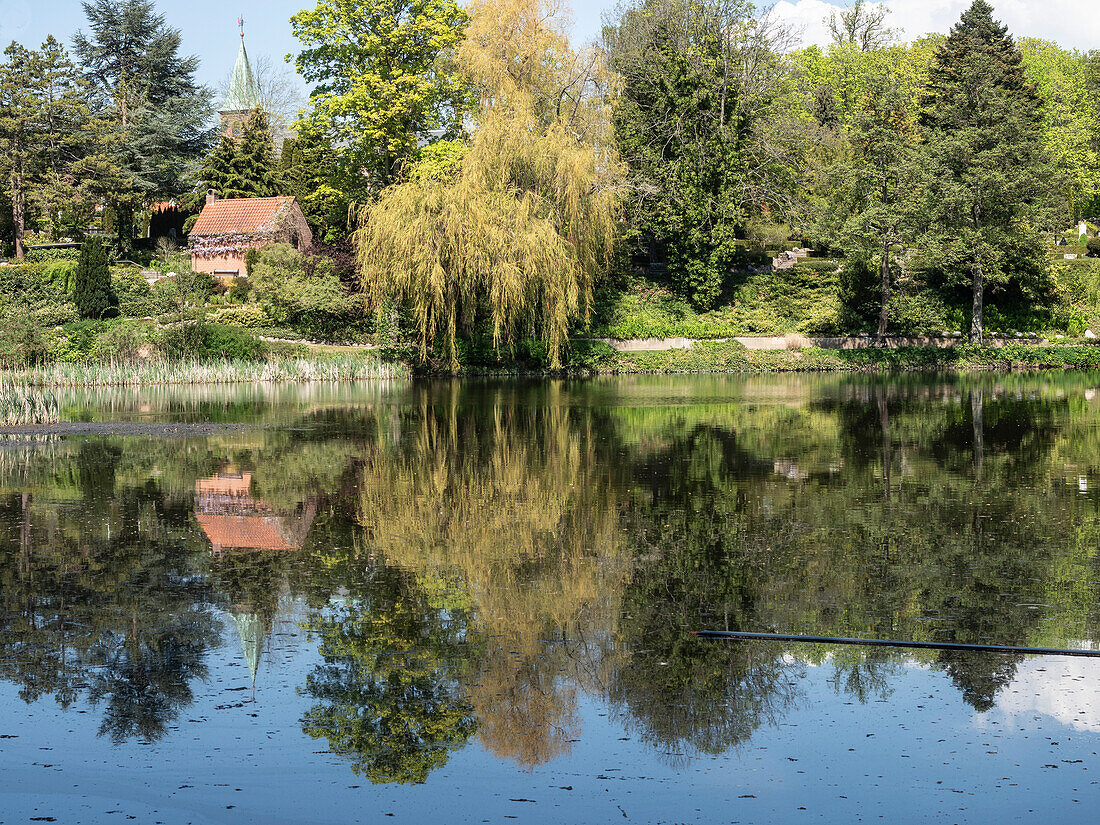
<point x="473" y="560"/>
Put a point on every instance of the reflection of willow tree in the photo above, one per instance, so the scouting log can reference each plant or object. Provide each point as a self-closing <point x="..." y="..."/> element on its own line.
<point x="507" y="495"/>
<point x="387" y="694"/>
<point x="87" y="588"/>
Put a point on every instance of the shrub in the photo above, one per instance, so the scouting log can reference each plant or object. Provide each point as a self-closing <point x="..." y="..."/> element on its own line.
<point x="38" y="256"/>
<point x="1093" y="247"/>
<point x="121" y="342"/>
<point x="92" y="292"/>
<point x="240" y="289"/>
<point x="21" y="342"/>
<point x="199" y="340"/>
<point x="251" y="258"/>
<point x="60" y="273"/>
<point x="305" y="294"/>
<point x="246" y="317"/>
<point x="135" y="296"/>
<point x="55" y="314"/>
<point x="860" y="293"/>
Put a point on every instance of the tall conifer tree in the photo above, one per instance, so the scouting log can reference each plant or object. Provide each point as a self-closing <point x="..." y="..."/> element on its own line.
<point x="147" y="90"/>
<point x="245" y="168"/>
<point x="983" y="163"/>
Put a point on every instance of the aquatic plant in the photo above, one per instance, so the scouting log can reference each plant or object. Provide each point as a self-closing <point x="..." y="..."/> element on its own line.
<point x="283" y="370"/>
<point x="21" y="405"/>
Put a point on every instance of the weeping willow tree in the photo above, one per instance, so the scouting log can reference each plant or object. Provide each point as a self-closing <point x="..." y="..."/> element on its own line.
<point x="515" y="228"/>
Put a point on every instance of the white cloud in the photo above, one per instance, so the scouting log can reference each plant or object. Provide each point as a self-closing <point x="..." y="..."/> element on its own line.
<point x="1061" y="689"/>
<point x="1073" y="24"/>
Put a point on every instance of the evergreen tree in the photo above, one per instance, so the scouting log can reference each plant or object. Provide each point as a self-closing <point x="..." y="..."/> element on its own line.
<point x="255" y="161"/>
<point x="698" y="85"/>
<point x="92" y="291"/>
<point x="246" y="168"/>
<point x="148" y="92"/>
<point x="869" y="192"/>
<point x="45" y="129"/>
<point x="984" y="170"/>
<point x="218" y="172"/>
<point x="306" y="172"/>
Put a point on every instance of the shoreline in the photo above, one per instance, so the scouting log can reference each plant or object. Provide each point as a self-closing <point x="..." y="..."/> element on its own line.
<point x="587" y="358"/>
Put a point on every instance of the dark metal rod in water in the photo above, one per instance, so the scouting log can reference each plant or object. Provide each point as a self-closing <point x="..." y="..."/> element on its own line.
<point x="836" y="640"/>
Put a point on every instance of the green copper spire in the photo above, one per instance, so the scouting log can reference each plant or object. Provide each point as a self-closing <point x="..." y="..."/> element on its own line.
<point x="243" y="93"/>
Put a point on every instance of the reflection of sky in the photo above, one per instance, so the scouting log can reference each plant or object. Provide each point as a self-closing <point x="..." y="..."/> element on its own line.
<point x="922" y="755"/>
<point x="1049" y="688"/>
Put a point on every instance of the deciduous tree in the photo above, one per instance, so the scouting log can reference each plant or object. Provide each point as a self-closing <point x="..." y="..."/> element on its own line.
<point x="517" y="229"/>
<point x="381" y="81"/>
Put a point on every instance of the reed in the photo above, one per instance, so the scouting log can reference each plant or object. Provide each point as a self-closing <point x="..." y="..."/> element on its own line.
<point x="21" y="405"/>
<point x="142" y="373"/>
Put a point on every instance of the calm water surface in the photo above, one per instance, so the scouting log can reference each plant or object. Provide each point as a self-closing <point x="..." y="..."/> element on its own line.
<point x="474" y="603"/>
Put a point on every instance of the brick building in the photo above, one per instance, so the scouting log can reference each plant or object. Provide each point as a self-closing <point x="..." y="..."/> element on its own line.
<point x="228" y="228"/>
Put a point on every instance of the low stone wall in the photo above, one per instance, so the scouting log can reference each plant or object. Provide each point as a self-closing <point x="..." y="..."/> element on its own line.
<point x="779" y="342"/>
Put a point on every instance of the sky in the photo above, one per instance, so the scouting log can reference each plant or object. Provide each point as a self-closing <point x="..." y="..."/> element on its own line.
<point x="209" y="27"/>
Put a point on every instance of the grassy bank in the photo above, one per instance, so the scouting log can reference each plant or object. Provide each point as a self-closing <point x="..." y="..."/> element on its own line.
<point x="730" y="356"/>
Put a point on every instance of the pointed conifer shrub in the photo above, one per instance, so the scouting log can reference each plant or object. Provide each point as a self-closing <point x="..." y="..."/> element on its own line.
<point x="92" y="292"/>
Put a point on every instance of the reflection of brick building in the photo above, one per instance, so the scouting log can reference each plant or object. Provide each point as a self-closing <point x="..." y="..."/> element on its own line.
<point x="233" y="520"/>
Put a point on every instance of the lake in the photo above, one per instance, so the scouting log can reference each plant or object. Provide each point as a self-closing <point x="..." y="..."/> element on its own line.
<point x="475" y="602"/>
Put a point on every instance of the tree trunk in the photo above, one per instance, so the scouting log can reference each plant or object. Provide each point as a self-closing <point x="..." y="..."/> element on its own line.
<point x="976" y="311"/>
<point x="19" y="217"/>
<point x="885" y="289"/>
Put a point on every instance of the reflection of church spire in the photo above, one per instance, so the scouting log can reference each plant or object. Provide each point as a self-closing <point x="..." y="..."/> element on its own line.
<point x="250" y="629"/>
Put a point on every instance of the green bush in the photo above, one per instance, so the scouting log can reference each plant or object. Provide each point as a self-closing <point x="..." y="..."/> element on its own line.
<point x="1093" y="247"/>
<point x="818" y="264"/>
<point x="61" y="274"/>
<point x="92" y="292"/>
<point x="859" y="289"/>
<point x="55" y="313"/>
<point x="21" y="342"/>
<point x="240" y="289"/>
<point x="199" y="340"/>
<point x="121" y="342"/>
<point x="305" y="294"/>
<point x="38" y="256"/>
<point x="246" y="317"/>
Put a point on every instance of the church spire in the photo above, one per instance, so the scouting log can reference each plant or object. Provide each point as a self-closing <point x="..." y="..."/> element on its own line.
<point x="243" y="95"/>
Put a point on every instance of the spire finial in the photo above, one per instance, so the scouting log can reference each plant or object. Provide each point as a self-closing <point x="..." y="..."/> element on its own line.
<point x="240" y="22"/>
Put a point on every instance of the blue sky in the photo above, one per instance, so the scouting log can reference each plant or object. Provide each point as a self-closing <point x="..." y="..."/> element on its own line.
<point x="210" y="26"/>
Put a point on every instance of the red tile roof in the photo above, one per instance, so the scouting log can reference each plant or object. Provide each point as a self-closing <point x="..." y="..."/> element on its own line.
<point x="239" y="215"/>
<point x="246" y="533"/>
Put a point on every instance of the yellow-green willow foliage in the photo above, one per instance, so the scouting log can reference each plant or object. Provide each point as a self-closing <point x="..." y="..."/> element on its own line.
<point x="520" y="513"/>
<point x="518" y="229"/>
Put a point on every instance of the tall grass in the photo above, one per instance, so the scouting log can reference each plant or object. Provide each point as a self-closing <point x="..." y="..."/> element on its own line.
<point x="139" y="373"/>
<point x="20" y="405"/>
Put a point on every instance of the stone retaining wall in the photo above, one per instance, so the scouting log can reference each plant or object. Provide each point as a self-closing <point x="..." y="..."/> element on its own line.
<point x="779" y="342"/>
